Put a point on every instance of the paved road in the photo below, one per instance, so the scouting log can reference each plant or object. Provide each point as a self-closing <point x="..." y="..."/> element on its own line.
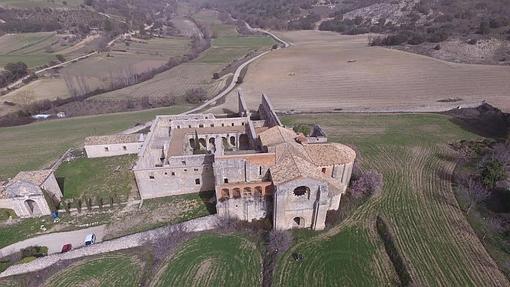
<point x="130" y="241"/>
<point x="55" y="241"/>
<point x="230" y="87"/>
<point x="238" y="71"/>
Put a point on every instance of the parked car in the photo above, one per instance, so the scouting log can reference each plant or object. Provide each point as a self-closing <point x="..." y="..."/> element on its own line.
<point x="67" y="247"/>
<point x="90" y="239"/>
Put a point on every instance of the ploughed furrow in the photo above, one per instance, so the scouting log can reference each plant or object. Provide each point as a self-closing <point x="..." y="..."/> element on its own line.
<point x="213" y="260"/>
<point x="111" y="270"/>
<point x="419" y="204"/>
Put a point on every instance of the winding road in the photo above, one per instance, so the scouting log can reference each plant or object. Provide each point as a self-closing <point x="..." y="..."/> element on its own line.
<point x="237" y="72"/>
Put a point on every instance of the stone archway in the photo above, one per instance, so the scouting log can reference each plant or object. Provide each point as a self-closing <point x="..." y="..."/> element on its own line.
<point x="298" y="222"/>
<point x="203" y="144"/>
<point x="32" y="207"/>
<point x="236" y="192"/>
<point x="244" y="142"/>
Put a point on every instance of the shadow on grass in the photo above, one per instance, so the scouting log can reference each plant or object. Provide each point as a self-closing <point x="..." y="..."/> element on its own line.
<point x="209" y="200"/>
<point x="485" y="120"/>
<point x="61" y="184"/>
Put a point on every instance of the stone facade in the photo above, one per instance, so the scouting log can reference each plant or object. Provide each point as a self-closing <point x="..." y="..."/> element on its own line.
<point x="114" y="145"/>
<point x="257" y="167"/>
<point x="25" y="193"/>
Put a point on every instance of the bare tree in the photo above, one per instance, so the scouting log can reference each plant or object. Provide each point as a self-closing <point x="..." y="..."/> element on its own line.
<point x="477" y="193"/>
<point x="279" y="241"/>
<point x="368" y="183"/>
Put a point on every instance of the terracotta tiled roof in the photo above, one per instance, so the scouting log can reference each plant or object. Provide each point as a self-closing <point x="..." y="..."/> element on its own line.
<point x="277" y="135"/>
<point x="330" y="153"/>
<point x="294" y="160"/>
<point x="112" y="139"/>
<point x="36" y="177"/>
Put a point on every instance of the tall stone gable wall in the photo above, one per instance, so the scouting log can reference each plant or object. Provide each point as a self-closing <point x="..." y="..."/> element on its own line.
<point x="267" y="113"/>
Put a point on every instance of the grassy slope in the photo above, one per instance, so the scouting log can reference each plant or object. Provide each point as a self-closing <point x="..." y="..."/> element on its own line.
<point x="109" y="270"/>
<point x="32" y="146"/>
<point x="431" y="232"/>
<point x="153" y="214"/>
<point x="97" y="177"/>
<point x="27" y="47"/>
<point x="214" y="260"/>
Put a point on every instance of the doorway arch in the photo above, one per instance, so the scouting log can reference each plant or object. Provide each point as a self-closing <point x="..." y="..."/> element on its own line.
<point x="298" y="222"/>
<point x="32" y="207"/>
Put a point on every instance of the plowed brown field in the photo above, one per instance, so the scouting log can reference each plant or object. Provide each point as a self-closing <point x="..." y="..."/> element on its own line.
<point x="325" y="71"/>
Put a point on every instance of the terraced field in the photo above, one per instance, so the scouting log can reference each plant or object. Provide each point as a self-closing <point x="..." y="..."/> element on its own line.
<point x="111" y="271"/>
<point x="437" y="243"/>
<point x="125" y="60"/>
<point x="33" y="49"/>
<point x="227" y="47"/>
<point x="39" y="90"/>
<point x="35" y="145"/>
<point x="324" y="71"/>
<point x="214" y="260"/>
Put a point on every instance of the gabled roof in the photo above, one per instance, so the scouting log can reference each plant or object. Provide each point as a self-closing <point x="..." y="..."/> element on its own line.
<point x="277" y="135"/>
<point x="329" y="154"/>
<point x="36" y="177"/>
<point x="297" y="160"/>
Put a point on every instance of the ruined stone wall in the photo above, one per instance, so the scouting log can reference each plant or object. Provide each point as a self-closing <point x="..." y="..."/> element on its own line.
<point x="185" y="174"/>
<point x="51" y="185"/>
<point x="309" y="208"/>
<point x="107" y="150"/>
<point x="267" y="113"/>
<point x="22" y="210"/>
<point x="209" y="122"/>
<point x="247" y="209"/>
<point x="237" y="169"/>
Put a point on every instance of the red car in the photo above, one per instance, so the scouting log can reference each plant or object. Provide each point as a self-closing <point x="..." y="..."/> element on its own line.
<point x="66" y="248"/>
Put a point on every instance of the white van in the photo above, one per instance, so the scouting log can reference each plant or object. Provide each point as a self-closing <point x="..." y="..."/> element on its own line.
<point x="90" y="239"/>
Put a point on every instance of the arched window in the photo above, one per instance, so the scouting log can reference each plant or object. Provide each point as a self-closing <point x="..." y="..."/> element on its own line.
<point x="236" y="192"/>
<point x="301" y="190"/>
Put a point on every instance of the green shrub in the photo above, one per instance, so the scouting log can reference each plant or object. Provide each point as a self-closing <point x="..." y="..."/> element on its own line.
<point x="492" y="171"/>
<point x="34" y="251"/>
<point x="391" y="250"/>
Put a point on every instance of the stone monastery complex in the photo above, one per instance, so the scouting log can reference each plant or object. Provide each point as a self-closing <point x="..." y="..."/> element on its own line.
<point x="257" y="167"/>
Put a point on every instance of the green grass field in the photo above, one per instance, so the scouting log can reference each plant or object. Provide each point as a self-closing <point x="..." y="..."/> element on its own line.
<point x="437" y="243"/>
<point x="214" y="260"/>
<point x="97" y="178"/>
<point x="111" y="271"/>
<point x="32" y="146"/>
<point x="34" y="49"/>
<point x="5" y="213"/>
